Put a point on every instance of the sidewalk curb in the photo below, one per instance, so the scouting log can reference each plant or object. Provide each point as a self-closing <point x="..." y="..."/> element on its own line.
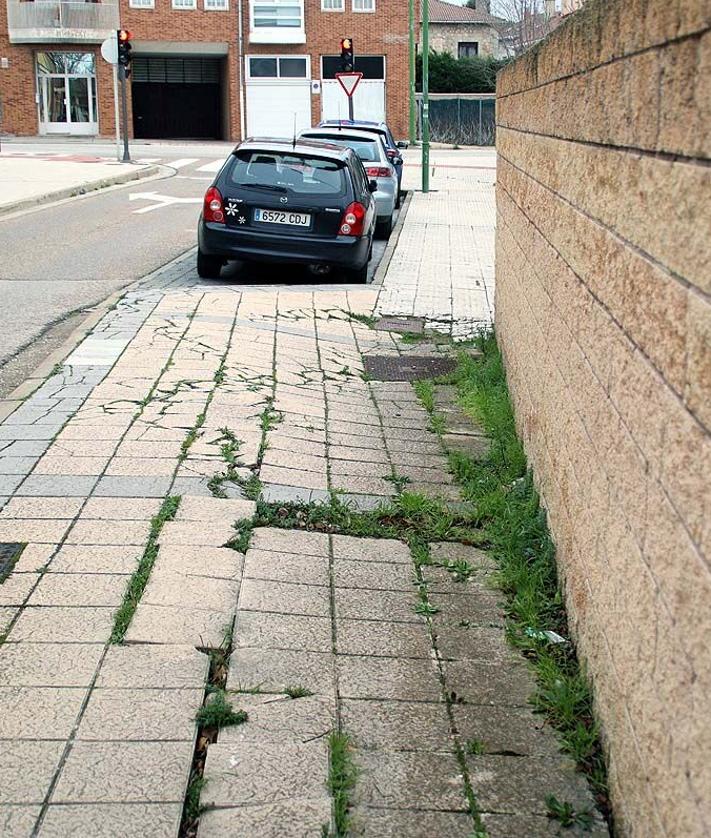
<point x="392" y="243"/>
<point x="10" y="402"/>
<point x="82" y="189"/>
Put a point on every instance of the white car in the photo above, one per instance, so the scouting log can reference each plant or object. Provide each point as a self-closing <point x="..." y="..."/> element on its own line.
<point x="371" y="150"/>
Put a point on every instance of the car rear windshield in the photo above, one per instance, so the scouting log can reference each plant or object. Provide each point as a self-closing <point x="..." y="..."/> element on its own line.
<point x="288" y="171"/>
<point x="367" y="150"/>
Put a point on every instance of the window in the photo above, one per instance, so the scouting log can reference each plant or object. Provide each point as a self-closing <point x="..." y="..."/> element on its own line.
<point x="142" y="4"/>
<point x="372" y="66"/>
<point x="185" y="4"/>
<point x="287" y="172"/>
<point x="332" y="5"/>
<point x="363" y="5"/>
<point x="277" y="13"/>
<point x="468" y="49"/>
<point x="274" y="67"/>
<point x="216" y="5"/>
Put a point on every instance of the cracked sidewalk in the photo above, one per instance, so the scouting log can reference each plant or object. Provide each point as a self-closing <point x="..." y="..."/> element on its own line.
<point x="216" y="396"/>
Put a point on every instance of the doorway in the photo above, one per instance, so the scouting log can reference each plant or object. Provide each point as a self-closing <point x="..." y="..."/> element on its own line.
<point x="66" y="86"/>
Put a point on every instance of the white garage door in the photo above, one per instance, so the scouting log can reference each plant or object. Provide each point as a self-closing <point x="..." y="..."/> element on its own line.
<point x="369" y="97"/>
<point x="368" y="100"/>
<point x="278" y="95"/>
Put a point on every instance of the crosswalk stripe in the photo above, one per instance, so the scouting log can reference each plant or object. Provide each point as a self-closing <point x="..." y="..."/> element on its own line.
<point x="184" y="161"/>
<point x="213" y="166"/>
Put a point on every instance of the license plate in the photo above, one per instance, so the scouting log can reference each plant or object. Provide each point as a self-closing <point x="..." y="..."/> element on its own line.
<point x="294" y="219"/>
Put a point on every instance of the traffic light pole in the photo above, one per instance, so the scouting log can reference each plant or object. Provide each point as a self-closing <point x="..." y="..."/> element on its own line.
<point x="413" y="59"/>
<point x="124" y="113"/>
<point x="425" y="97"/>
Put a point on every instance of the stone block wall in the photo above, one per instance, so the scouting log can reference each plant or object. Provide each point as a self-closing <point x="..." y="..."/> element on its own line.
<point x="603" y="302"/>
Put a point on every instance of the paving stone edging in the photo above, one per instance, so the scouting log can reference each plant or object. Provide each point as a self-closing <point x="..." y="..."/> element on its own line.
<point x="392" y="242"/>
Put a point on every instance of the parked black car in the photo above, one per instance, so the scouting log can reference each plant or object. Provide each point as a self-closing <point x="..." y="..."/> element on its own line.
<point x="282" y="201"/>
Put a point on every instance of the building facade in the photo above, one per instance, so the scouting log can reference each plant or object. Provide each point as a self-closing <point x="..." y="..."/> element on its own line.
<point x="201" y="69"/>
<point x="463" y="32"/>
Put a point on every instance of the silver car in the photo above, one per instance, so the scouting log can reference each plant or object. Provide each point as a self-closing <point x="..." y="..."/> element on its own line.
<point x="371" y="150"/>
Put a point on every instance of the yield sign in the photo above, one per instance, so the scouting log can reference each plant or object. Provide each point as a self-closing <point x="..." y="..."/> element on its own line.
<point x="349" y="82"/>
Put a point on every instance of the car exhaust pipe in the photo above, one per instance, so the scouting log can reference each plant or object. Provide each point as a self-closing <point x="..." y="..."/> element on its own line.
<point x="320" y="270"/>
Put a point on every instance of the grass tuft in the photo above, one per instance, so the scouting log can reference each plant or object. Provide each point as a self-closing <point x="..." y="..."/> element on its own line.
<point x="139" y="579"/>
<point x="298" y="692"/>
<point x="218" y="712"/>
<point x="342" y="776"/>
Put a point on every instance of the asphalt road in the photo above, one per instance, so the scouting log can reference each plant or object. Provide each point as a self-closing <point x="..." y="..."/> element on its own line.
<point x="62" y="259"/>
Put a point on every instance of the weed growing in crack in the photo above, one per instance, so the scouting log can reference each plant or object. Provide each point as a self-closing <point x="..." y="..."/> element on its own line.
<point x="460" y="569"/>
<point x="240" y="542"/>
<point x="298" y="692"/>
<point x="139" y="579"/>
<point x="193" y="809"/>
<point x="424" y="388"/>
<point x="366" y="319"/>
<point x="218" y="712"/>
<point x="399" y="481"/>
<point x="342" y="776"/>
<point x="191" y="437"/>
<point x="426" y="609"/>
<point x="566" y="815"/>
<point x="474" y="747"/>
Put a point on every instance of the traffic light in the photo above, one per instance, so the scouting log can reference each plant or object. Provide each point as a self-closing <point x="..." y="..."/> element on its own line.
<point x="347" y="61"/>
<point x="124" y="49"/>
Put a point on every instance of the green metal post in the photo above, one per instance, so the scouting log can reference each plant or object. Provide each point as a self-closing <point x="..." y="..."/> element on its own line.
<point x="413" y="60"/>
<point x="425" y="96"/>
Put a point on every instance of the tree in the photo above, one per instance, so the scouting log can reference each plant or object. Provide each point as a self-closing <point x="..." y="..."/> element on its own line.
<point x="522" y="23"/>
<point x="460" y="75"/>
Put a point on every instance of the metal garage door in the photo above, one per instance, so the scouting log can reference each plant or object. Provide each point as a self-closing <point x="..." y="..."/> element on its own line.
<point x="278" y="95"/>
<point x="176" y="98"/>
<point x="369" y="97"/>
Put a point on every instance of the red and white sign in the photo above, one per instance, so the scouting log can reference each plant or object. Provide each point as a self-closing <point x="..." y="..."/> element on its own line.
<point x="349" y="82"/>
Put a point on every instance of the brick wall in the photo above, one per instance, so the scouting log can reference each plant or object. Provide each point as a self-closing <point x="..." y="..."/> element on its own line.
<point x="603" y="294"/>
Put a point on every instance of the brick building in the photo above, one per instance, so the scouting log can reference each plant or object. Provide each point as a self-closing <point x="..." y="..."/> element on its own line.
<point x="211" y="69"/>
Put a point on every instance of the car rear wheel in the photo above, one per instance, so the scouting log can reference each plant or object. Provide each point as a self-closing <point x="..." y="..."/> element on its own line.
<point x="398" y="202"/>
<point x="359" y="275"/>
<point x="384" y="228"/>
<point x="208" y="267"/>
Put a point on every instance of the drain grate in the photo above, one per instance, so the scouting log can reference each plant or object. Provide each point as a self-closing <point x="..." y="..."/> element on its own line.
<point x="9" y="554"/>
<point x="403" y="368"/>
<point x="414" y="325"/>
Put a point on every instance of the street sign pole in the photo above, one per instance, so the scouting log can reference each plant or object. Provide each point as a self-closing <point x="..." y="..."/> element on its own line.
<point x="124" y="113"/>
<point x="413" y="60"/>
<point x="425" y="97"/>
<point x="116" y="112"/>
<point x="350" y="108"/>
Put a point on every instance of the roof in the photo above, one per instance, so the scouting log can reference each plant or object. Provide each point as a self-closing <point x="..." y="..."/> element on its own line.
<point x="281" y="144"/>
<point x="340" y="131"/>
<point x="441" y="12"/>
<point x="380" y="127"/>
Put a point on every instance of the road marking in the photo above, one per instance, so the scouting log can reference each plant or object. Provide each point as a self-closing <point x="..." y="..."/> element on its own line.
<point x="159" y="201"/>
<point x="147" y="160"/>
<point x="214" y="166"/>
<point x="184" y="161"/>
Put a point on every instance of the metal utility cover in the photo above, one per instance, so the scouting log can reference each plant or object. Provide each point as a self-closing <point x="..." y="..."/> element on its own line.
<point x="414" y="325"/>
<point x="404" y="368"/>
<point x="9" y="554"/>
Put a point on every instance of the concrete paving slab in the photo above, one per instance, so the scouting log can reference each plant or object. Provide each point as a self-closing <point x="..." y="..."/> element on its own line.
<point x="107" y="820"/>
<point x="27" y="768"/>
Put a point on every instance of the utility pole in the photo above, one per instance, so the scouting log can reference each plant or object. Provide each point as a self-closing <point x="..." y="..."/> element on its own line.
<point x="425" y="96"/>
<point x="413" y="75"/>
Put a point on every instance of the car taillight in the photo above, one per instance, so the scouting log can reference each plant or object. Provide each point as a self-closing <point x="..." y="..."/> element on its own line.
<point x="379" y="171"/>
<point x="212" y="209"/>
<point x="352" y="221"/>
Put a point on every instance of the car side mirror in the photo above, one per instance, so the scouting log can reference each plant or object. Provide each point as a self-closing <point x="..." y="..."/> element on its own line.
<point x="372" y="185"/>
<point x="403" y="144"/>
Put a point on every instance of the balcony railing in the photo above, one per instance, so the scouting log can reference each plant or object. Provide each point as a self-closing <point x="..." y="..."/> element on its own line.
<point x="56" y="20"/>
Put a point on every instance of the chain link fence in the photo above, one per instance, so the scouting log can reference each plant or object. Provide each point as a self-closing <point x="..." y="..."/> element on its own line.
<point x="460" y="118"/>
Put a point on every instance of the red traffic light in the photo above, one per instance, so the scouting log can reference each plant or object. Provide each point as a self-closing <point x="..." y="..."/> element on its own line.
<point x="124" y="35"/>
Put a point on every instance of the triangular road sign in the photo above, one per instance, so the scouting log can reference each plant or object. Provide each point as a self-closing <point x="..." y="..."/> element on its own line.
<point x="349" y="82"/>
